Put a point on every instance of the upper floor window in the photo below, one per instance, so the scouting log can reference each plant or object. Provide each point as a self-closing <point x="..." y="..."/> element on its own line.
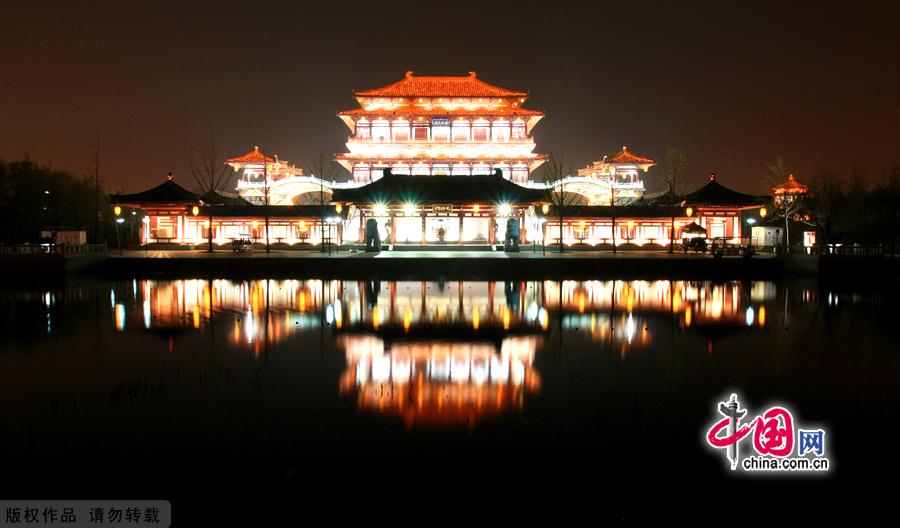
<point x="401" y="134"/>
<point x="480" y="130"/>
<point x="400" y="130"/>
<point x="381" y="130"/>
<point x="500" y="131"/>
<point x="461" y="132"/>
<point x="518" y="130"/>
<point x="440" y="134"/>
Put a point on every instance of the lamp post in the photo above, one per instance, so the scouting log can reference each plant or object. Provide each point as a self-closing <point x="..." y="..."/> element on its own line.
<point x="118" y="213"/>
<point x="195" y="210"/>
<point x="131" y="235"/>
<point x="338" y="208"/>
<point x="612" y="209"/>
<point x="544" y="209"/>
<point x="146" y="229"/>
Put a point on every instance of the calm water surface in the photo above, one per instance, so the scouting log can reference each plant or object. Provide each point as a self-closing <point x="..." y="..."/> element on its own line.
<point x="436" y="396"/>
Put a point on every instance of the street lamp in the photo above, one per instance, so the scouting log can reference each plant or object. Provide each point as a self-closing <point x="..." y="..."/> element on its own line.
<point x="763" y="212"/>
<point x="118" y="212"/>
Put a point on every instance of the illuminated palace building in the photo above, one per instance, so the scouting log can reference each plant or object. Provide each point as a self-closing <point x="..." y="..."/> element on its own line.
<point x="440" y="161"/>
<point x="440" y="126"/>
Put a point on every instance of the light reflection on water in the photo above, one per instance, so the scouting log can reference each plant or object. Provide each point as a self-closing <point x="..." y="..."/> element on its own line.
<point x="440" y="352"/>
<point x="466" y="383"/>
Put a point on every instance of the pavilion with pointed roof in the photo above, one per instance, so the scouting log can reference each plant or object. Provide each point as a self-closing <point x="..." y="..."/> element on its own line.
<point x="258" y="173"/>
<point x="789" y="191"/>
<point x="620" y="176"/>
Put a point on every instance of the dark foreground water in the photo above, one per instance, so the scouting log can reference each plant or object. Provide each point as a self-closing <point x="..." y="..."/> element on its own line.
<point x="412" y="402"/>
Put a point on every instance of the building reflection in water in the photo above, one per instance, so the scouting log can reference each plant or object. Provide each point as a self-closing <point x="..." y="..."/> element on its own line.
<point x="439" y="352"/>
<point x="439" y="382"/>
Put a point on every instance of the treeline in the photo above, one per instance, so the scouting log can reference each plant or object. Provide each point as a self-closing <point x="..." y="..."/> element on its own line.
<point x="861" y="208"/>
<point x="33" y="197"/>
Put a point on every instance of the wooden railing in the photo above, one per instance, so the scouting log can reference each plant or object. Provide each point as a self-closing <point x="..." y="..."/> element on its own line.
<point x="832" y="249"/>
<point x="52" y="249"/>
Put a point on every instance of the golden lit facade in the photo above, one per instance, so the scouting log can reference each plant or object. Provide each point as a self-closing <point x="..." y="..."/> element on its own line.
<point x="788" y="192"/>
<point x="619" y="178"/>
<point x="440" y="126"/>
<point x="259" y="175"/>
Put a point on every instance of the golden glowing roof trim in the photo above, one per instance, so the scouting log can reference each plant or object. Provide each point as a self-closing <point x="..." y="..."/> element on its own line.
<point x="440" y="86"/>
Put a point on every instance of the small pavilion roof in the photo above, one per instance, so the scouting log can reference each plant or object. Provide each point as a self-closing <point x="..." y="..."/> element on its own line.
<point x="713" y="193"/>
<point x="254" y="156"/>
<point x="440" y="86"/>
<point x="402" y="188"/>
<point x="791" y="186"/>
<point x="627" y="157"/>
<point x="167" y="193"/>
<point x="693" y="227"/>
<point x="222" y="198"/>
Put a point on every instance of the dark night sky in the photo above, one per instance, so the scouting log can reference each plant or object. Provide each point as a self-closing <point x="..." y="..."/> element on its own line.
<point x="732" y="83"/>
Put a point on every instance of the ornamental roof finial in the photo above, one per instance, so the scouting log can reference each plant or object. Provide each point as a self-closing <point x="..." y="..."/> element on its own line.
<point x="712" y="176"/>
<point x="408" y="74"/>
<point x="472" y="74"/>
<point x="170" y="177"/>
<point x="790" y="177"/>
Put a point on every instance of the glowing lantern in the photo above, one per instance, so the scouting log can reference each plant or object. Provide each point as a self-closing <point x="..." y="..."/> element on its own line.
<point x="338" y="208"/>
<point x="476" y="208"/>
<point x="545" y="208"/>
<point x="689" y="211"/>
<point x="195" y="210"/>
<point x="763" y="212"/>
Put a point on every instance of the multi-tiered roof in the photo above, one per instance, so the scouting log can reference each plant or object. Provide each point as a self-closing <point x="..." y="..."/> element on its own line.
<point x="436" y="101"/>
<point x="436" y="95"/>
